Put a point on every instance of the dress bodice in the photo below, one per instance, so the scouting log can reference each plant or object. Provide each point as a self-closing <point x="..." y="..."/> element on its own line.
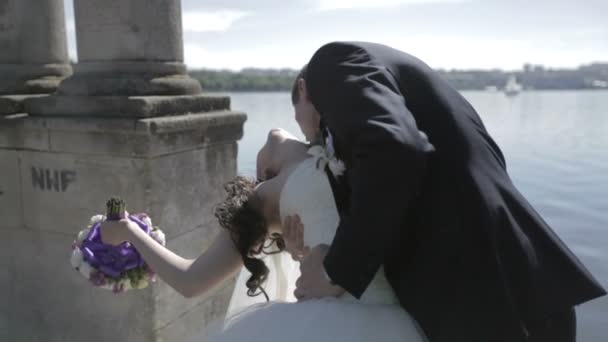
<point x="307" y="193"/>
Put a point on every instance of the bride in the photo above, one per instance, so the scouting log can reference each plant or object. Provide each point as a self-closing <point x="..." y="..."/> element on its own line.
<point x="259" y="220"/>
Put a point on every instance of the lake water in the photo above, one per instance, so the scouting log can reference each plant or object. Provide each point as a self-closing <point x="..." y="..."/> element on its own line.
<point x="556" y="146"/>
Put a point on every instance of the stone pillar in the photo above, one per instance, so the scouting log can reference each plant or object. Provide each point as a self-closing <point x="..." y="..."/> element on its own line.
<point x="33" y="60"/>
<point x="128" y="122"/>
<point x="33" y="50"/>
<point x="130" y="60"/>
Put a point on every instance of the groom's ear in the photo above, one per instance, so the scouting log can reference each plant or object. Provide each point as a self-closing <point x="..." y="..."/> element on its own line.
<point x="302" y="89"/>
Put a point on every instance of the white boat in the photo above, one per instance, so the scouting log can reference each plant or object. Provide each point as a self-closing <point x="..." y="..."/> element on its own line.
<point x="512" y="88"/>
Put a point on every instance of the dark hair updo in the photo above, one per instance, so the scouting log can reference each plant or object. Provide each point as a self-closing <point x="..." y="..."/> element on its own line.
<point x="248" y="229"/>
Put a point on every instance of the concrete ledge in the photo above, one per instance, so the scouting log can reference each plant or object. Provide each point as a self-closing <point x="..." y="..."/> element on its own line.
<point x="14" y="136"/>
<point x="122" y="106"/>
<point x="168" y="124"/>
<point x="127" y="137"/>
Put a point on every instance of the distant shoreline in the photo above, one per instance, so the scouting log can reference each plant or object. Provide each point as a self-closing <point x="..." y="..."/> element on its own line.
<point x="590" y="90"/>
<point x="531" y="77"/>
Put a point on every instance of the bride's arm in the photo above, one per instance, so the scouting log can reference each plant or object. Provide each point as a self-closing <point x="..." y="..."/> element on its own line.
<point x="190" y="277"/>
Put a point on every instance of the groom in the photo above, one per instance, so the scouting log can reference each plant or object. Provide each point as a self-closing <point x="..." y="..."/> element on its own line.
<point x="427" y="195"/>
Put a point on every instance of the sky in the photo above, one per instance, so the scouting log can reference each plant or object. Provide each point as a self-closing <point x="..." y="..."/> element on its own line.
<point x="448" y="34"/>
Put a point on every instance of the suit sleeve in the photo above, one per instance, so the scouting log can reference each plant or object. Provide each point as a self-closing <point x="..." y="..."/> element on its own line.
<point x="360" y="102"/>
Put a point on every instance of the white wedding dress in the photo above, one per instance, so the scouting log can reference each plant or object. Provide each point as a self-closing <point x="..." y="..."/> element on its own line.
<point x="376" y="317"/>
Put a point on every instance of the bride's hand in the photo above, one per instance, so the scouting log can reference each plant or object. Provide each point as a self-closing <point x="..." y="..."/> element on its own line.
<point x="293" y="235"/>
<point x="115" y="232"/>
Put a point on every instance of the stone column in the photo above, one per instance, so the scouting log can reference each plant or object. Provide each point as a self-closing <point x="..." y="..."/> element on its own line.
<point x="128" y="122"/>
<point x="130" y="57"/>
<point x="33" y="50"/>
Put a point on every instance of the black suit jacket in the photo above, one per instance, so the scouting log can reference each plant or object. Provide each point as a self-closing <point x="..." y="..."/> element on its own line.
<point x="468" y="256"/>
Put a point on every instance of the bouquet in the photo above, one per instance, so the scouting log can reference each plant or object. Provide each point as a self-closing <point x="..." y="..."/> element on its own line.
<point x="118" y="268"/>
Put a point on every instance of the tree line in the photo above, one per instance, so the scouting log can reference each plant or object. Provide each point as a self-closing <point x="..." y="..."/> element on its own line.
<point x="592" y="76"/>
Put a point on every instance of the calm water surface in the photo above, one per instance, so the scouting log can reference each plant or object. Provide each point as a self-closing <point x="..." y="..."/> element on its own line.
<point x="556" y="146"/>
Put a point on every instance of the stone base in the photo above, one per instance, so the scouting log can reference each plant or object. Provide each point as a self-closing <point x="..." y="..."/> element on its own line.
<point x="142" y="78"/>
<point x="57" y="172"/>
<point x="132" y="85"/>
<point x="122" y="106"/>
<point x="32" y="78"/>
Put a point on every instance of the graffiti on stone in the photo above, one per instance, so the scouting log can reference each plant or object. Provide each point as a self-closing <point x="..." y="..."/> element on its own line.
<point x="46" y="179"/>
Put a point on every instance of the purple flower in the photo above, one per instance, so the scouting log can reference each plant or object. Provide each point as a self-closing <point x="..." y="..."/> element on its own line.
<point x="98" y="278"/>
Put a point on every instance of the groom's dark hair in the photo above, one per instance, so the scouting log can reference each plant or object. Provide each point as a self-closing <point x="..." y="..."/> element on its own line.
<point x="295" y="94"/>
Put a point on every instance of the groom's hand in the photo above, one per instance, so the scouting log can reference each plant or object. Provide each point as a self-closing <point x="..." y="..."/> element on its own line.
<point x="313" y="282"/>
<point x="293" y="235"/>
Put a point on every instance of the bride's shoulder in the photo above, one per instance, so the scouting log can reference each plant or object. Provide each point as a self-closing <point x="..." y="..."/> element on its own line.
<point x="278" y="135"/>
<point x="280" y="141"/>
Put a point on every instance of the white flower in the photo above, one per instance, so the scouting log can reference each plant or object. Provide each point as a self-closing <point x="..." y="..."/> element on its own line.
<point x="142" y="284"/>
<point x="316" y="151"/>
<point x="76" y="259"/>
<point x="97" y="218"/>
<point x="85" y="269"/>
<point x="108" y="286"/>
<point x="146" y="219"/>
<point x="159" y="236"/>
<point x="83" y="234"/>
<point x="126" y="284"/>
<point x="336" y="166"/>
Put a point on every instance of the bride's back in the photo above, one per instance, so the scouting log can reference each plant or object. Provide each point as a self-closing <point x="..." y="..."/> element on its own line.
<point x="299" y="186"/>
